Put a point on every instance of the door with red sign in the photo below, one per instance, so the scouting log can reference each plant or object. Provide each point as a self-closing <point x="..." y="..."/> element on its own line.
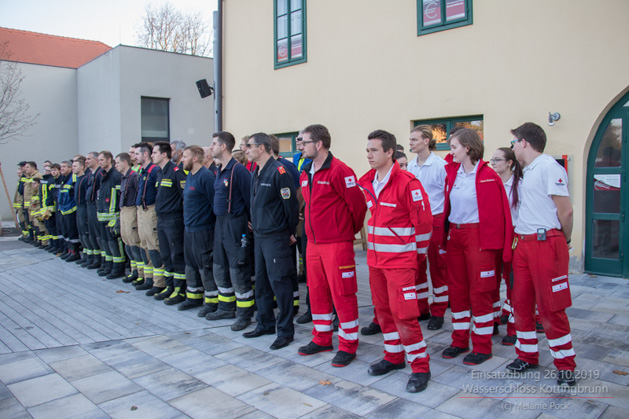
<point x="606" y="226"/>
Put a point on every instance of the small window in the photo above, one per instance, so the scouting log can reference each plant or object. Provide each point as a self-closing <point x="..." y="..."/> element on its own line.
<point x="441" y="128"/>
<point x="290" y="32"/>
<point x="155" y="119"/>
<point x="439" y="15"/>
<point x="287" y="143"/>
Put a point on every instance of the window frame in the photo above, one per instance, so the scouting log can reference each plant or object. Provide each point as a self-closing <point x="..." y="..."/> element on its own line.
<point x="449" y="123"/>
<point x="156" y="139"/>
<point x="290" y="61"/>
<point x="421" y="30"/>
<point x="293" y="135"/>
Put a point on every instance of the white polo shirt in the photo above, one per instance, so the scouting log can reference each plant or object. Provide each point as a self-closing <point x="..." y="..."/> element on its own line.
<point x="432" y="175"/>
<point x="463" y="203"/>
<point x="378" y="185"/>
<point x="542" y="178"/>
<point x="509" y="190"/>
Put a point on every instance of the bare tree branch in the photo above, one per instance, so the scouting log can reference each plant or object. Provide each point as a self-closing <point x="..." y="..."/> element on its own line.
<point x="15" y="117"/>
<point x="168" y="29"/>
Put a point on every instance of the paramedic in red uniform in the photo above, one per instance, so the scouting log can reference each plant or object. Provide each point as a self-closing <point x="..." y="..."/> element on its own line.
<point x="398" y="212"/>
<point x="540" y="262"/>
<point x="478" y="230"/>
<point x="335" y="212"/>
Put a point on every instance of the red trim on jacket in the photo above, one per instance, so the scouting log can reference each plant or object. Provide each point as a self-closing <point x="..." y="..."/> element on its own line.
<point x="494" y="215"/>
<point x="401" y="220"/>
<point x="335" y="205"/>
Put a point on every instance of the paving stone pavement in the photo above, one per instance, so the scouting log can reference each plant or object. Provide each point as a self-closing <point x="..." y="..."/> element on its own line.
<point x="75" y="345"/>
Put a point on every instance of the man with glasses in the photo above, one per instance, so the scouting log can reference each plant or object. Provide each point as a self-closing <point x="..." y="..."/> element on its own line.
<point x="274" y="218"/>
<point x="541" y="256"/>
<point x="335" y="212"/>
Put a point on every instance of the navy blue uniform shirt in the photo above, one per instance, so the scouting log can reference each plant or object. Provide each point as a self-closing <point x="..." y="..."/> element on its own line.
<point x="198" y="199"/>
<point x="241" y="190"/>
<point x="147" y="189"/>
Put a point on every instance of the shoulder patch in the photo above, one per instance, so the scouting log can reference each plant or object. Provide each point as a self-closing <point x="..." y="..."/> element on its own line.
<point x="176" y="168"/>
<point x="417" y="195"/>
<point x="282" y="171"/>
<point x="350" y="181"/>
<point x="285" y="193"/>
<point x="304" y="183"/>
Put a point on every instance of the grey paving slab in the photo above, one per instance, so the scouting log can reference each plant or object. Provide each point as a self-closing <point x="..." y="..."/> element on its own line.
<point x="16" y="356"/>
<point x="249" y="358"/>
<point x="350" y="396"/>
<point x="42" y="389"/>
<point x="23" y="370"/>
<point x="140" y="405"/>
<point x="76" y="406"/>
<point x="327" y="411"/>
<point x="4" y="392"/>
<point x="11" y="408"/>
<point x="613" y="412"/>
<point x="60" y="354"/>
<point x="617" y="357"/>
<point x="281" y="402"/>
<point x="80" y="367"/>
<point x="106" y="386"/>
<point x="210" y="402"/>
<point x="193" y="362"/>
<point x="433" y="396"/>
<point x="161" y="346"/>
<point x="233" y="380"/>
<point x="169" y="383"/>
<point x="295" y="376"/>
<point x="136" y="364"/>
<point x="356" y="372"/>
<point x="401" y="408"/>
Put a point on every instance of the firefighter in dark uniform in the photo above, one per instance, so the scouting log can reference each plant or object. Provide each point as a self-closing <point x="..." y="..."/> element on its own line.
<point x="49" y="202"/>
<point x="66" y="205"/>
<point x="97" y="259"/>
<point x="108" y="216"/>
<point x="129" y="214"/>
<point x="170" y="227"/>
<point x="65" y="171"/>
<point x="18" y="200"/>
<point x="200" y="221"/>
<point x="274" y="218"/>
<point x="231" y="206"/>
<point x="80" y="194"/>
<point x="150" y="271"/>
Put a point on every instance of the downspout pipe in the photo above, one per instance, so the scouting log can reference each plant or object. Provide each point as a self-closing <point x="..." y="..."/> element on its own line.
<point x="218" y="67"/>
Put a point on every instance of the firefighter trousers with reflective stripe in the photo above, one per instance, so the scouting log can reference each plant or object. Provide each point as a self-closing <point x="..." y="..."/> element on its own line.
<point x="170" y="232"/>
<point x="198" y="249"/>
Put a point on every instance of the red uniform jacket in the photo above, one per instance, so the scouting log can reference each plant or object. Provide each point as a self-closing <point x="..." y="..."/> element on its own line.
<point x="335" y="205"/>
<point x="401" y="220"/>
<point x="494" y="215"/>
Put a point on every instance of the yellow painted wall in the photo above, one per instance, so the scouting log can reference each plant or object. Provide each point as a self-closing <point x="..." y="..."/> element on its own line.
<point x="367" y="69"/>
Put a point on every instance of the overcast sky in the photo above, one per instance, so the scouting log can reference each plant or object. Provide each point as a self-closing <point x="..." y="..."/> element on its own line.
<point x="112" y="22"/>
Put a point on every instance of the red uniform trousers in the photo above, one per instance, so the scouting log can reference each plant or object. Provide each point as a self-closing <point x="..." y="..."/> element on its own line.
<point x="332" y="279"/>
<point x="507" y="308"/>
<point x="541" y="276"/>
<point x="471" y="282"/>
<point x="393" y="294"/>
<point x="437" y="265"/>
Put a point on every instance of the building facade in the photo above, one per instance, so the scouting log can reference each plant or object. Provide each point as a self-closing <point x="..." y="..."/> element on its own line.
<point x="360" y="65"/>
<point x="90" y="97"/>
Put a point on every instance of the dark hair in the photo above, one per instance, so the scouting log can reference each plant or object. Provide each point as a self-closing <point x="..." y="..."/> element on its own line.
<point x="532" y="134"/>
<point x="262" y="139"/>
<point x="94" y="154"/>
<point x="388" y="140"/>
<point x="319" y="133"/>
<point x="32" y="164"/>
<point x="455" y="130"/>
<point x="55" y="166"/>
<point x="164" y="147"/>
<point x="470" y="139"/>
<point x="107" y="154"/>
<point x="47" y="161"/>
<point x="22" y="164"/>
<point x="275" y="144"/>
<point x="196" y="151"/>
<point x="399" y="155"/>
<point x="226" y="138"/>
<point x="125" y="157"/>
<point x="517" y="174"/>
<point x="426" y="132"/>
<point x="399" y="147"/>
<point x="144" y="147"/>
<point x="80" y="160"/>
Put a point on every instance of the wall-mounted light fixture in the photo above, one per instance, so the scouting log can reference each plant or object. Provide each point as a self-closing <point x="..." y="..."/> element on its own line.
<point x="552" y="117"/>
<point x="205" y="89"/>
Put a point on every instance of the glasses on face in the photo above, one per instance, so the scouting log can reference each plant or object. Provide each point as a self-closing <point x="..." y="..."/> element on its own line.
<point x="515" y="141"/>
<point x="251" y="145"/>
<point x="307" y="142"/>
<point x="496" y="160"/>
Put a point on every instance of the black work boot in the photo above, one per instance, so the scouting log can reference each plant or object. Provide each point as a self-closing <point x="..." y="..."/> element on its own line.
<point x="96" y="263"/>
<point x="131" y="277"/>
<point x="117" y="271"/>
<point x="86" y="261"/>
<point x="190" y="303"/>
<point x="74" y="256"/>
<point x="207" y="309"/>
<point x="175" y="298"/>
<point x="146" y="285"/>
<point x="107" y="268"/>
<point x="163" y="294"/>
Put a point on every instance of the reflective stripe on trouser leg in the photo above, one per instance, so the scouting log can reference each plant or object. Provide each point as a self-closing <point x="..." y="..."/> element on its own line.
<point x="168" y="279"/>
<point x="211" y="297"/>
<point x="421" y="286"/>
<point x="326" y="265"/>
<point x="226" y="296"/>
<point x="179" y="280"/>
<point x="158" y="277"/>
<point x="194" y="293"/>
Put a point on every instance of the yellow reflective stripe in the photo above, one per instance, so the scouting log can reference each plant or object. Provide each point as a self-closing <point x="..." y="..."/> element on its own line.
<point x="211" y="300"/>
<point x="112" y="201"/>
<point x="70" y="211"/>
<point x="227" y="299"/>
<point x="296" y="303"/>
<point x="244" y="303"/>
<point x="194" y="295"/>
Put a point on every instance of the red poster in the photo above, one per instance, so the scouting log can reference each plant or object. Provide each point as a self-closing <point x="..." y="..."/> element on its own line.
<point x="432" y="12"/>
<point x="295" y="46"/>
<point x="455" y="9"/>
